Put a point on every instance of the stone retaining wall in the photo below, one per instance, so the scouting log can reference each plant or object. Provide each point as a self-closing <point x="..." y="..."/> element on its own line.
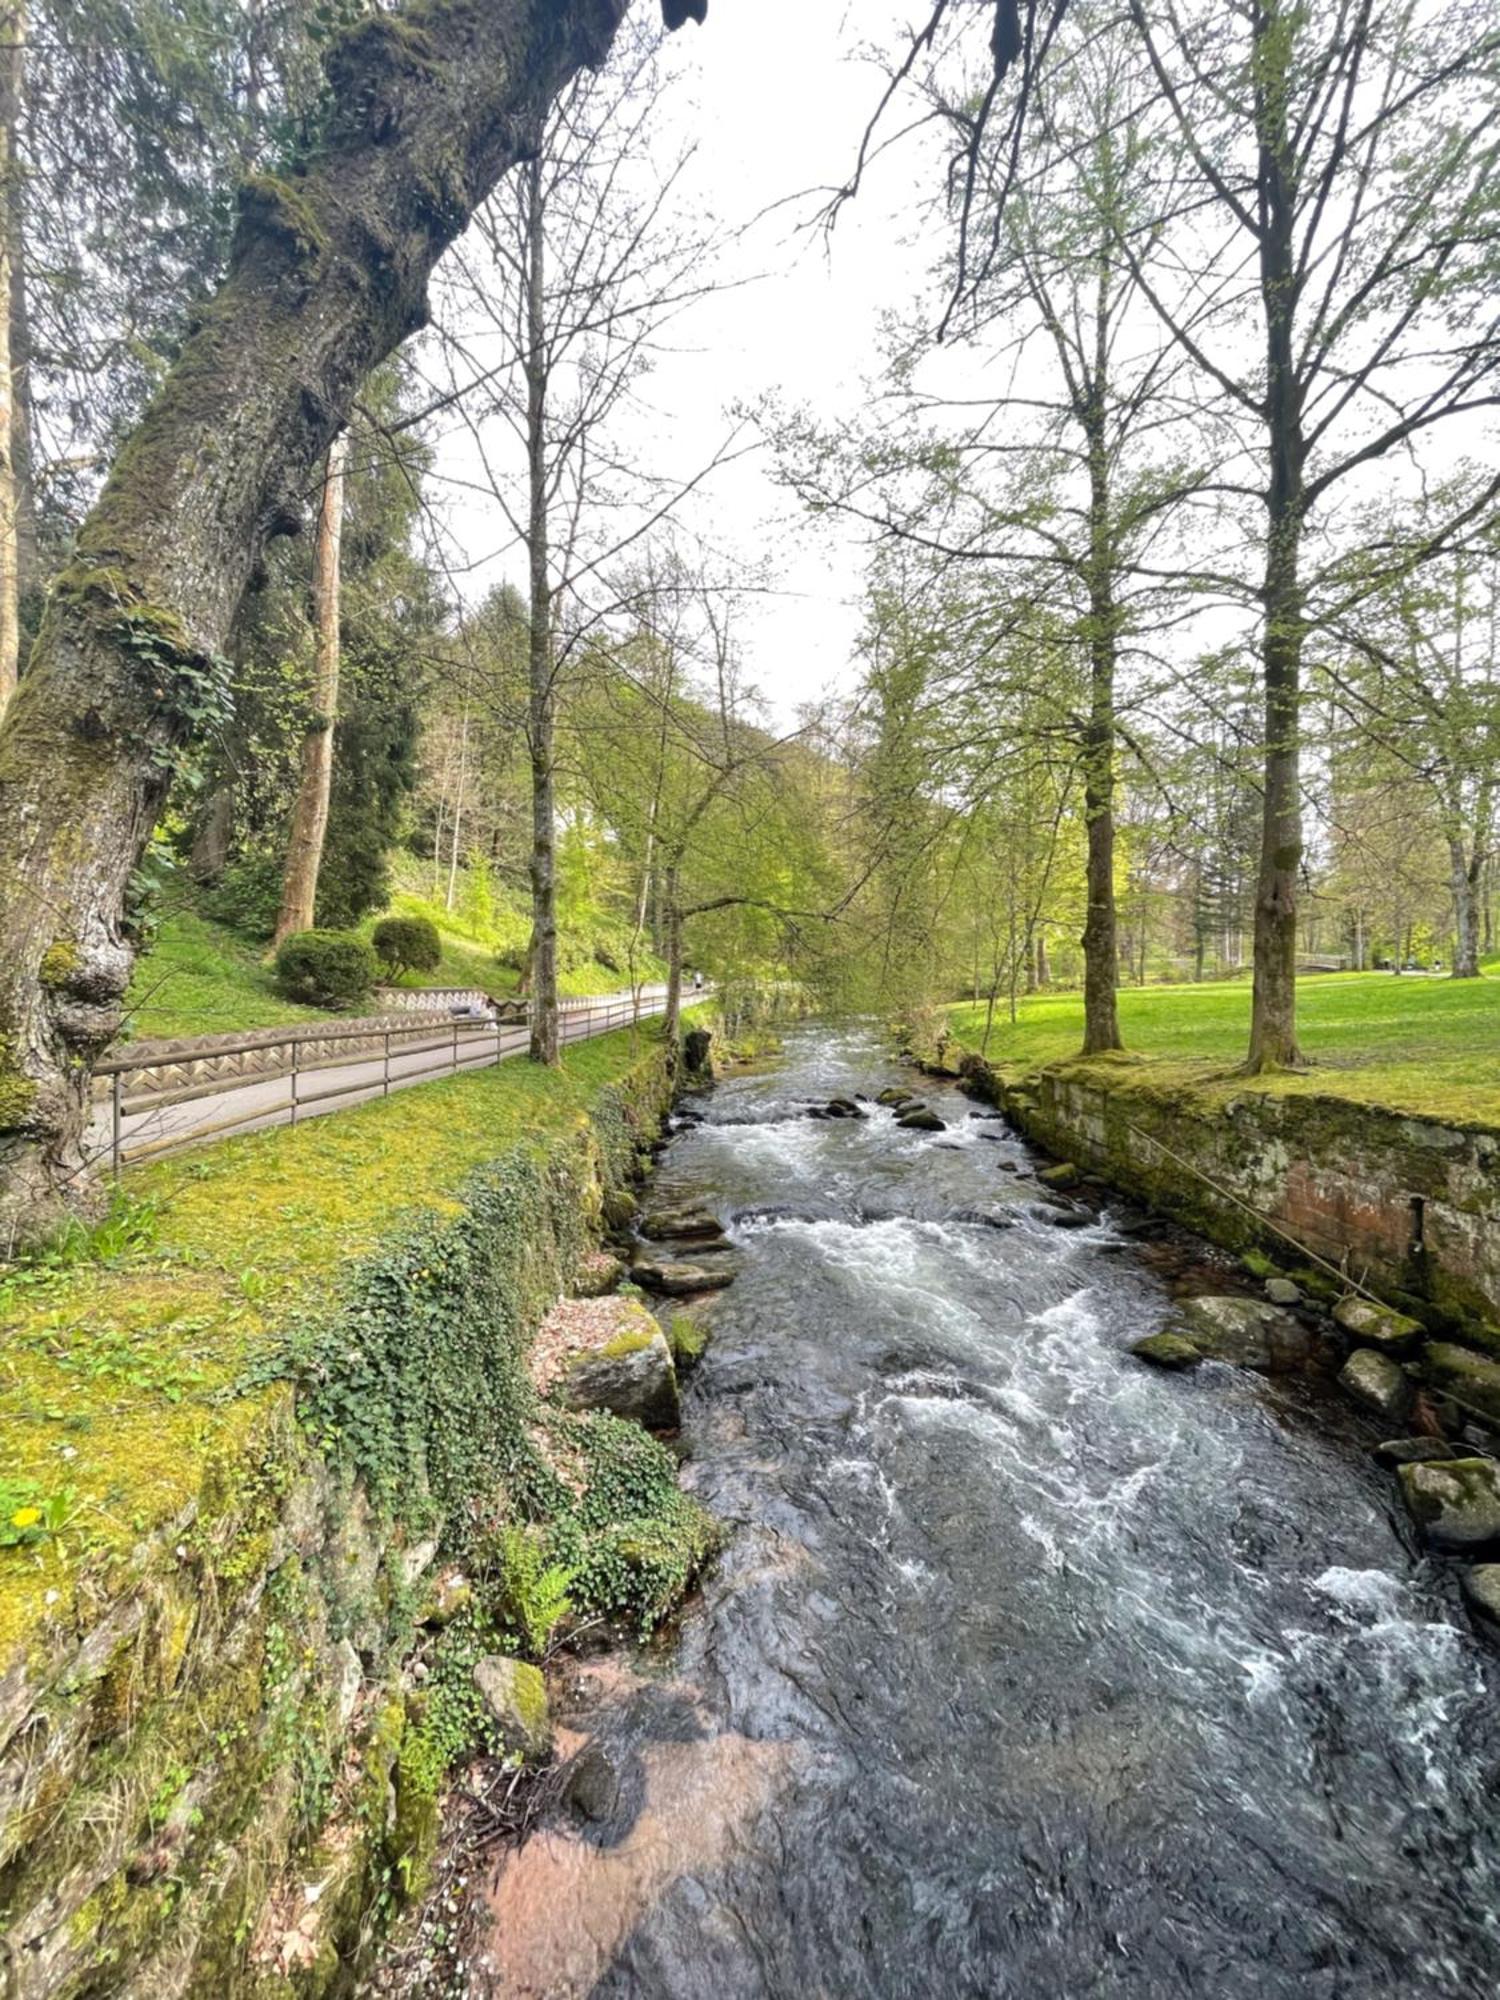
<point x="1405" y="1205"/>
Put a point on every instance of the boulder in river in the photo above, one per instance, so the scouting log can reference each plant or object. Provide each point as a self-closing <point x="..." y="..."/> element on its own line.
<point x="516" y="1696"/>
<point x="987" y="1218"/>
<point x="1167" y="1350"/>
<point x="894" y="1095"/>
<point x="1455" y="1502"/>
<point x="1377" y="1326"/>
<point x="678" y="1278"/>
<point x="1249" y="1333"/>
<point x="688" y="1224"/>
<point x="920" y="1120"/>
<point x="843" y="1107"/>
<point x="1469" y="1378"/>
<point x="1481" y="1587"/>
<point x="1063" y="1175"/>
<point x="1062" y="1214"/>
<point x="1417" y="1451"/>
<point x="631" y="1376"/>
<point x="1378" y="1382"/>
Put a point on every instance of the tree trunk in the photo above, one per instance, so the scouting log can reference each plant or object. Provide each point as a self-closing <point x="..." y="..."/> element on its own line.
<point x="210" y="853"/>
<point x="1465" y="882"/>
<point x="328" y="274"/>
<point x="1043" y="969"/>
<point x="12" y="46"/>
<point x="541" y="711"/>
<point x="1101" y="952"/>
<point x="1273" y="1007"/>
<point x="671" y="1020"/>
<point x="304" y="855"/>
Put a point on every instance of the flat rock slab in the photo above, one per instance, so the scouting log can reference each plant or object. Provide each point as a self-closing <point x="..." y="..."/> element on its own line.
<point x="678" y="1278"/>
<point x="694" y="1224"/>
<point x="1455" y="1503"/>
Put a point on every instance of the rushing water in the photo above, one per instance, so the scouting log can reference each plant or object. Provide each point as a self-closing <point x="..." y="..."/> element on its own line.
<point x="1028" y="1670"/>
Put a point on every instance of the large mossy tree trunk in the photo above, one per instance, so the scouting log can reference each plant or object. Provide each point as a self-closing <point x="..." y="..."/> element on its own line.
<point x="304" y="857"/>
<point x="427" y="108"/>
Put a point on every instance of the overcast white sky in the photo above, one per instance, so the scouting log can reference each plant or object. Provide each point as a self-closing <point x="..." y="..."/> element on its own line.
<point x="775" y="99"/>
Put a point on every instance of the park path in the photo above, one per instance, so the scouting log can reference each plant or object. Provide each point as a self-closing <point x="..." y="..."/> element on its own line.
<point x="254" y="1103"/>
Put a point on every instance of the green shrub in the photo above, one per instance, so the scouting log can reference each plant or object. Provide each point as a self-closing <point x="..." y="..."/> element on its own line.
<point x="325" y="968"/>
<point x="407" y="944"/>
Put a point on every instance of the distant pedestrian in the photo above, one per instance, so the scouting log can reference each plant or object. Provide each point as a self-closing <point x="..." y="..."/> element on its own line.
<point x="697" y="982"/>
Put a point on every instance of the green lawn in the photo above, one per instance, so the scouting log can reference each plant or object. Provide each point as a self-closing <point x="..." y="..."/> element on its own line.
<point x="1418" y="1044"/>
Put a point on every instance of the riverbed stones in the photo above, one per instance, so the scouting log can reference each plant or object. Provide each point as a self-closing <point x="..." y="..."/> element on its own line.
<point x="516" y="1696"/>
<point x="1063" y="1175"/>
<point x="894" y="1095"/>
<point x="1167" y="1350"/>
<point x="1248" y="1333"/>
<point x="920" y="1120"/>
<point x="1378" y="1382"/>
<point x="1282" y="1292"/>
<point x="1417" y="1450"/>
<point x="1377" y="1326"/>
<point x="630" y="1376"/>
<point x="1469" y="1378"/>
<point x="1455" y="1502"/>
<point x="1481" y="1588"/>
<point x="843" y="1107"/>
<point x="687" y="1224"/>
<point x="679" y="1278"/>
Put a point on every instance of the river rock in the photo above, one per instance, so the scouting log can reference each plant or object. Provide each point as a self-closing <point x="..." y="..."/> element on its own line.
<point x="1377" y="1326"/>
<point x="1455" y="1502"/>
<point x="843" y="1107"/>
<point x="1064" y="1175"/>
<point x="619" y="1208"/>
<point x="1376" y="1381"/>
<point x="921" y="1120"/>
<point x="895" y="1095"/>
<point x="599" y="1271"/>
<point x="677" y="1278"/>
<point x="683" y="1225"/>
<point x="1282" y="1292"/>
<point x="1469" y="1378"/>
<point x="1481" y="1588"/>
<point x="987" y="1218"/>
<point x="1167" y="1350"/>
<point x="1249" y="1333"/>
<point x="1417" y="1451"/>
<point x="516" y="1696"/>
<point x="592" y="1784"/>
<point x="1062" y="1214"/>
<point x="631" y="1376"/>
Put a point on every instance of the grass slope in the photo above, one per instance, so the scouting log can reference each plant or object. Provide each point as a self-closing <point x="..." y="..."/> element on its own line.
<point x="119" y="1364"/>
<point x="1429" y="1046"/>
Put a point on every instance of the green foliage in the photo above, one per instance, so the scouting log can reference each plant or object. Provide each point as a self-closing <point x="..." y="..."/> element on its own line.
<point x="407" y="944"/>
<point x="326" y="968"/>
<point x="530" y="1592"/>
<point x="247" y="896"/>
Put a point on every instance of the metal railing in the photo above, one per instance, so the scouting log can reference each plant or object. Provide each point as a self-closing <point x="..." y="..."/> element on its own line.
<point x="467" y="1044"/>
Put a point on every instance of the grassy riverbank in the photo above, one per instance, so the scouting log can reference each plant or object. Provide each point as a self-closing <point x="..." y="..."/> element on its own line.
<point x="1426" y="1046"/>
<point x="124" y="1351"/>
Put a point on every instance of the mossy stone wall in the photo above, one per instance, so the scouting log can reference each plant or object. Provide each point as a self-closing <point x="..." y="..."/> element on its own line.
<point x="200" y="1763"/>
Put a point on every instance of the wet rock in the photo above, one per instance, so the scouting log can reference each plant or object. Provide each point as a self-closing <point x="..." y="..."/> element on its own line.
<point x="516" y="1696"/>
<point x="780" y="1211"/>
<point x="817" y="1111"/>
<point x="677" y="1278"/>
<point x="683" y="1225"/>
<point x="1481" y="1588"/>
<point x="1416" y="1450"/>
<point x="631" y="1376"/>
<point x="620" y="1208"/>
<point x="592" y="1785"/>
<point x="1377" y="1326"/>
<point x="1009" y="1166"/>
<point x="1061" y="1214"/>
<point x="988" y="1116"/>
<point x="1455" y="1502"/>
<point x="987" y="1218"/>
<point x="995" y="1138"/>
<point x="921" y="1120"/>
<point x="1376" y="1381"/>
<point x="895" y="1095"/>
<point x="1248" y="1333"/>
<point x="1167" y="1350"/>
<point x="1064" y="1175"/>
<point x="1282" y="1292"/>
<point x="843" y="1107"/>
<point x="1137" y="1225"/>
<point x="1470" y="1379"/>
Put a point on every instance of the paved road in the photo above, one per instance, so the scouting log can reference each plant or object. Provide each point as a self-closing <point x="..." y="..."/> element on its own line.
<point x="257" y="1102"/>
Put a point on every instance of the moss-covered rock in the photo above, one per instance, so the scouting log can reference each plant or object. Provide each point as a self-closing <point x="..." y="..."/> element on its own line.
<point x="1469" y="1378"/>
<point x="1378" y="1382"/>
<point x="1378" y="1326"/>
<point x="632" y="1376"/>
<point x="516" y="1696"/>
<point x="1167" y="1350"/>
<point x="1456" y="1503"/>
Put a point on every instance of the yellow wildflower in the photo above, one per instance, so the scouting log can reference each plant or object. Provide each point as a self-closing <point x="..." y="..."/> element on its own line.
<point x="26" y="1517"/>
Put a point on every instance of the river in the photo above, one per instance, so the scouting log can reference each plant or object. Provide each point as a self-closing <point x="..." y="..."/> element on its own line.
<point x="1027" y="1670"/>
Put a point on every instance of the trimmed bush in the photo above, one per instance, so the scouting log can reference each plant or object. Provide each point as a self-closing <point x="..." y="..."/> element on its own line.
<point x="407" y="944"/>
<point x="325" y="968"/>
